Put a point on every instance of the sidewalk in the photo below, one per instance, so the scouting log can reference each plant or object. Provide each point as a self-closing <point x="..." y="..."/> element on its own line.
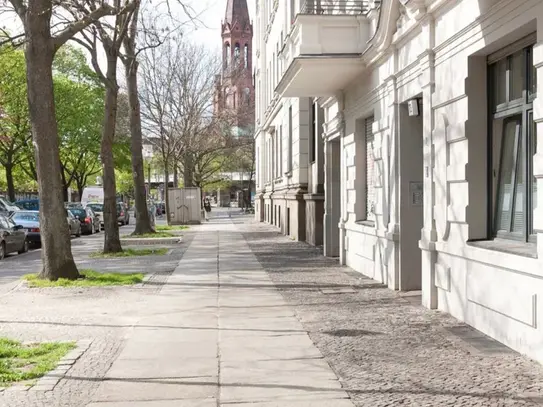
<point x="219" y="334"/>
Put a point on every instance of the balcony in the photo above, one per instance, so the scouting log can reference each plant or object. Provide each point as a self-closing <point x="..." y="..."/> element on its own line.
<point x="321" y="55"/>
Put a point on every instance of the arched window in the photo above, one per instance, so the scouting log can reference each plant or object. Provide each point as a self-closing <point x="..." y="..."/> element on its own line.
<point x="246" y="56"/>
<point x="247" y="96"/>
<point x="227" y="55"/>
<point x="237" y="54"/>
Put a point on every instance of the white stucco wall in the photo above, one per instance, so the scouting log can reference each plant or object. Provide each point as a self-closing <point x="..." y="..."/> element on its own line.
<point x="441" y="58"/>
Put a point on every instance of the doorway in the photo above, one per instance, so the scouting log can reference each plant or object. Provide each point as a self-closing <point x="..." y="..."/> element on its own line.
<point x="332" y="194"/>
<point x="411" y="173"/>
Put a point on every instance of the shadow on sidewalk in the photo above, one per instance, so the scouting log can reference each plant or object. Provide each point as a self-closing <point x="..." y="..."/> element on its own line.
<point x="405" y="391"/>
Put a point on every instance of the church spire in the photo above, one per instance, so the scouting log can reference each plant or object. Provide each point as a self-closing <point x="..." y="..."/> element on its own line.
<point x="237" y="10"/>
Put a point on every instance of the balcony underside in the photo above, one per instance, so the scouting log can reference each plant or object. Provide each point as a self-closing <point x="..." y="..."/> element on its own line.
<point x="319" y="75"/>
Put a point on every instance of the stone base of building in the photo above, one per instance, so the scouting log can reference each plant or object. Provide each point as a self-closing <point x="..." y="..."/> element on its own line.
<point x="314" y="219"/>
<point x="259" y="207"/>
<point x="286" y="210"/>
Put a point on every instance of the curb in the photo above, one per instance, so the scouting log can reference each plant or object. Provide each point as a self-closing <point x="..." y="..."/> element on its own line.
<point x="151" y="241"/>
<point x="52" y="378"/>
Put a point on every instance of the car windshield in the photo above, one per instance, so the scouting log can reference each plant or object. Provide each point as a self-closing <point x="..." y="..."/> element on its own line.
<point x="78" y="212"/>
<point x="26" y="216"/>
<point x="96" y="207"/>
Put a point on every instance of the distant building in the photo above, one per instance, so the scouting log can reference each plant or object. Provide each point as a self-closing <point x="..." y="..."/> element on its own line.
<point x="234" y="94"/>
<point x="234" y="88"/>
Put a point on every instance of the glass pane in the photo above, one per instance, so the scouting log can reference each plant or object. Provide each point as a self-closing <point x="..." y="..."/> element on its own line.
<point x="518" y="211"/>
<point x="500" y="81"/>
<point x="534" y="80"/>
<point x="532" y="126"/>
<point x="532" y="89"/>
<point x="516" y="75"/>
<point x="505" y="183"/>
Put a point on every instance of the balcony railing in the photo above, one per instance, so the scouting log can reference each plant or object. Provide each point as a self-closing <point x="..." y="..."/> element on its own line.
<point x="338" y="7"/>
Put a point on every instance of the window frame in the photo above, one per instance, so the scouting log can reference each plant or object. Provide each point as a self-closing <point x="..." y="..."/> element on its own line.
<point x="369" y="216"/>
<point x="512" y="110"/>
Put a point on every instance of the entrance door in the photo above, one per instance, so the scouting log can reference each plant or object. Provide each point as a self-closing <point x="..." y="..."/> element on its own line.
<point x="411" y="199"/>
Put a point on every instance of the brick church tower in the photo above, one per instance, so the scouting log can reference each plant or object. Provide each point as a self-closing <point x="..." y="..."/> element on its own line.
<point x="234" y="86"/>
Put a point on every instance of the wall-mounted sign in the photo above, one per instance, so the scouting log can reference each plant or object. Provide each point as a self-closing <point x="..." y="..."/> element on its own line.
<point x="416" y="193"/>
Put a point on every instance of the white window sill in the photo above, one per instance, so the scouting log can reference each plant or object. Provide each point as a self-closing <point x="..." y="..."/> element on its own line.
<point x="519" y="248"/>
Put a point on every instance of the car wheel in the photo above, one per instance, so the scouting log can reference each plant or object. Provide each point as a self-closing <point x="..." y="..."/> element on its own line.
<point x="25" y="247"/>
<point x="2" y="250"/>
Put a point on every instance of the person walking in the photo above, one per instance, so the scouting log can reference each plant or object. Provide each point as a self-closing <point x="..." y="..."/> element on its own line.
<point x="207" y="208"/>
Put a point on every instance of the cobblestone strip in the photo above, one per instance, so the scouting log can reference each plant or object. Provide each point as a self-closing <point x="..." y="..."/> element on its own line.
<point x="389" y="351"/>
<point x="51" y="379"/>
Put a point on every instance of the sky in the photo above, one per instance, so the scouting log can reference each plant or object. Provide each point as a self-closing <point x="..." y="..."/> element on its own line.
<point x="211" y="14"/>
<point x="206" y="31"/>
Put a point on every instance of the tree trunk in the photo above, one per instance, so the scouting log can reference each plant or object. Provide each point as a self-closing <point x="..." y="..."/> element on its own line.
<point x="112" y="243"/>
<point x="175" y="176"/>
<point x="80" y="188"/>
<point x="57" y="258"/>
<point x="65" y="185"/>
<point x="166" y="197"/>
<point x="9" y="181"/>
<point x="143" y="221"/>
<point x="188" y="171"/>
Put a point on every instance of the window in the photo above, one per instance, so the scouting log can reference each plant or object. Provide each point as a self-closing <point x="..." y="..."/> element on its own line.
<point x="280" y="138"/>
<point x="247" y="96"/>
<point x="227" y="56"/>
<point x="513" y="135"/>
<point x="289" y="141"/>
<point x="236" y="55"/>
<point x="370" y="184"/>
<point x="312" y="132"/>
<point x="246" y="56"/>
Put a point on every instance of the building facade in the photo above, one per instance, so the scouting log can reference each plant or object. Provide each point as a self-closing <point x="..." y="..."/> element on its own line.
<point x="289" y="156"/>
<point x="431" y="152"/>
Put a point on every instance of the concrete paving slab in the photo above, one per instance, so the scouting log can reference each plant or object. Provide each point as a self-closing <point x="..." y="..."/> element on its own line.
<point x="251" y="393"/>
<point x="159" y="403"/>
<point x="133" y="390"/>
<point x="160" y="368"/>
<point x="177" y="335"/>
<point x="136" y="349"/>
<point x="268" y="353"/>
<point x="293" y="403"/>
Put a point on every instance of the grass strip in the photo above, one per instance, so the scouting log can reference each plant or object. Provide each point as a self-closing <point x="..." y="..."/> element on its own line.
<point x="130" y="253"/>
<point x="165" y="228"/>
<point x="156" y="235"/>
<point x="22" y="362"/>
<point x="90" y="278"/>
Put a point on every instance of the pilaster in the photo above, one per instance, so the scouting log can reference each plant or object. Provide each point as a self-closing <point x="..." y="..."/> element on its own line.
<point x="428" y="232"/>
<point x="538" y="118"/>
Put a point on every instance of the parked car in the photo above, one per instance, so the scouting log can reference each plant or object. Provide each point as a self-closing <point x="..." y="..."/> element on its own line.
<point x="30" y="221"/>
<point x="123" y="217"/>
<point x="28" y="204"/>
<point x="90" y="221"/>
<point x="12" y="237"/>
<point x="73" y="224"/>
<point x="6" y="207"/>
<point x="98" y="209"/>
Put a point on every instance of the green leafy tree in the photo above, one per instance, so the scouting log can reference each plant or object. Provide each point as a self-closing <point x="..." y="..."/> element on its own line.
<point x="15" y="132"/>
